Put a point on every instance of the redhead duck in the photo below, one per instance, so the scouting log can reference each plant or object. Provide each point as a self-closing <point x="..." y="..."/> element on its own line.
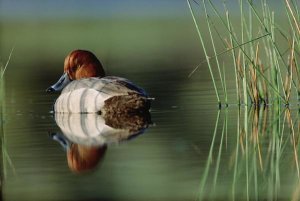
<point x="86" y="89"/>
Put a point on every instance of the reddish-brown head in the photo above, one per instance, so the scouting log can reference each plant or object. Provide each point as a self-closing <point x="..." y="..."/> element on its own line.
<point x="82" y="158"/>
<point x="78" y="64"/>
<point x="82" y="64"/>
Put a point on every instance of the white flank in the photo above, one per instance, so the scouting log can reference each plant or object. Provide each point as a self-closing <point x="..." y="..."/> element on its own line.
<point x="80" y="101"/>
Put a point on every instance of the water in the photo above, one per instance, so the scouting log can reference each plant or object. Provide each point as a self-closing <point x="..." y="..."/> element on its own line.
<point x="190" y="151"/>
<point x="152" y="165"/>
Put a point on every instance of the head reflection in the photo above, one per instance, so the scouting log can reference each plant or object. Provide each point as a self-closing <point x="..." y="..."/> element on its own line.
<point x="83" y="158"/>
<point x="85" y="137"/>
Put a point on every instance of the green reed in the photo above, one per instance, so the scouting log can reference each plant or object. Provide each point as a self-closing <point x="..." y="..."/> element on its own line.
<point x="202" y="186"/>
<point x="205" y="52"/>
<point x="5" y="156"/>
<point x="255" y="163"/>
<point x="2" y="98"/>
<point x="2" y="120"/>
<point x="264" y="71"/>
<point x="218" y="161"/>
<point x="1" y="92"/>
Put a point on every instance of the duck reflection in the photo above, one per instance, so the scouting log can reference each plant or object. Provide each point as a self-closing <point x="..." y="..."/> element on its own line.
<point x="85" y="137"/>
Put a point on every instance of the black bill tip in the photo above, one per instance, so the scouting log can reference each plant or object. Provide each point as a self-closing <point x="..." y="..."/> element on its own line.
<point x="50" y="89"/>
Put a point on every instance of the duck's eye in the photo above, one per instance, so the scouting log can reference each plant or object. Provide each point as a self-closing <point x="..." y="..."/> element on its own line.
<point x="73" y="69"/>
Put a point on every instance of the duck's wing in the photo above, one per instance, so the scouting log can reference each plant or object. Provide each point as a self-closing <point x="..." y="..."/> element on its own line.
<point x="109" y="85"/>
<point x="125" y="83"/>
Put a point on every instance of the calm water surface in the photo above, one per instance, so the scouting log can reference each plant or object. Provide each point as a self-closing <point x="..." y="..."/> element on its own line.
<point x="191" y="151"/>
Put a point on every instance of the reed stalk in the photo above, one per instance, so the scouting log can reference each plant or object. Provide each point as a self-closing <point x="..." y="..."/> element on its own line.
<point x="266" y="77"/>
<point x="5" y="156"/>
<point x="203" y="181"/>
<point x="218" y="161"/>
<point x="234" y="60"/>
<point x="2" y="127"/>
<point x="225" y="86"/>
<point x="214" y="49"/>
<point x="236" y="154"/>
<point x="243" y="63"/>
<point x="205" y="52"/>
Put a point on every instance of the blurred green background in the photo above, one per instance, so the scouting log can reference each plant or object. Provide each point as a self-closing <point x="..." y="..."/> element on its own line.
<point x="149" y="38"/>
<point x="154" y="44"/>
<point x="126" y="36"/>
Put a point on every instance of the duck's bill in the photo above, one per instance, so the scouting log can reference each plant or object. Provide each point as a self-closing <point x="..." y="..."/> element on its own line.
<point x="63" y="81"/>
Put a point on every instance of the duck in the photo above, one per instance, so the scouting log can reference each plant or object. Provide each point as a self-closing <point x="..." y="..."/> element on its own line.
<point x="85" y="88"/>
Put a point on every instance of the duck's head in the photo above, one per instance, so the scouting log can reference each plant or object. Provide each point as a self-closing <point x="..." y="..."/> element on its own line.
<point x="78" y="64"/>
